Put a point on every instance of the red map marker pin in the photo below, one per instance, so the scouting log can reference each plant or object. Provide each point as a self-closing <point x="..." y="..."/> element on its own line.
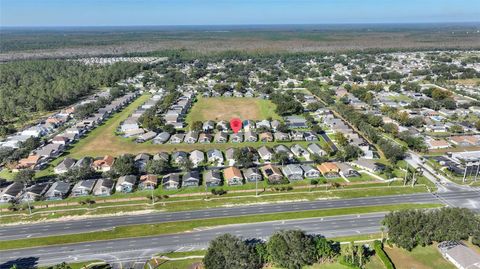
<point x="236" y="124"/>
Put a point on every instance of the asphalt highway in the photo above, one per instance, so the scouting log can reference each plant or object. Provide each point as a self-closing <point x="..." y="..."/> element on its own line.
<point x="460" y="198"/>
<point x="142" y="248"/>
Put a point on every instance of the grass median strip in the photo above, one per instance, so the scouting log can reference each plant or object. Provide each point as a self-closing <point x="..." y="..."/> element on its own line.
<point x="185" y="226"/>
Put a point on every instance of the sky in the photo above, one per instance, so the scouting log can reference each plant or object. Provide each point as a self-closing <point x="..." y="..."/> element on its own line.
<point x="232" y="12"/>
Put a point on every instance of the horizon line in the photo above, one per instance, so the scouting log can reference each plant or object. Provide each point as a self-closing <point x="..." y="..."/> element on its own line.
<point x="263" y="24"/>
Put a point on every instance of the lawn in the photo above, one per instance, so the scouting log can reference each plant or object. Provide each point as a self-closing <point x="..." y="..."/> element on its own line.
<point x="226" y="108"/>
<point x="420" y="258"/>
<point x="183" y="226"/>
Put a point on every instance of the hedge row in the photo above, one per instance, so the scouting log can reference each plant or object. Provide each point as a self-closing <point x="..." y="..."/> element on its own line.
<point x="378" y="247"/>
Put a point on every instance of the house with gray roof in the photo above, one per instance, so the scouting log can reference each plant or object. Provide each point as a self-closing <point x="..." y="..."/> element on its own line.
<point x="58" y="191"/>
<point x="316" y="149"/>
<point x="177" y="138"/>
<point x="279" y="136"/>
<point x="251" y="136"/>
<point x="208" y="126"/>
<point x="265" y="153"/>
<point x="103" y="187"/>
<point x="300" y="152"/>
<point x="292" y="172"/>
<point x="191" y="179"/>
<point x="283" y="148"/>
<point x="161" y="138"/>
<point x="204" y="138"/>
<point x="171" y="181"/>
<point x="236" y="137"/>
<point x="215" y="156"/>
<point x="64" y="166"/>
<point x="126" y="183"/>
<point x="252" y="174"/>
<point x="11" y="192"/>
<point x="35" y="192"/>
<point x="212" y="178"/>
<point x="309" y="171"/>
<point x="146" y="137"/>
<point x="83" y="187"/>
<point x="197" y="157"/>
<point x="179" y="156"/>
<point x="220" y="137"/>
<point x="191" y="137"/>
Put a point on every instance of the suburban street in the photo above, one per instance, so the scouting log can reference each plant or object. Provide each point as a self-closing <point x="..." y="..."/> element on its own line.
<point x="140" y="249"/>
<point x="460" y="198"/>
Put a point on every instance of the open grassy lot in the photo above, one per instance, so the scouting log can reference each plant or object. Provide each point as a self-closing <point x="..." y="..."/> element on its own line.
<point x="420" y="258"/>
<point x="225" y="108"/>
<point x="183" y="226"/>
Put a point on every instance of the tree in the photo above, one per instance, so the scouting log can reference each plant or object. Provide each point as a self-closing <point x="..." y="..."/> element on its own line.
<point x="124" y="165"/>
<point x="78" y="173"/>
<point x="291" y="249"/>
<point x="158" y="167"/>
<point x="24" y="176"/>
<point x="169" y="128"/>
<point x="186" y="164"/>
<point x="228" y="251"/>
<point x="62" y="265"/>
<point x="352" y="152"/>
<point x="196" y="126"/>
<point x="244" y="157"/>
<point x="340" y="138"/>
<point x="327" y="250"/>
<point x="281" y="157"/>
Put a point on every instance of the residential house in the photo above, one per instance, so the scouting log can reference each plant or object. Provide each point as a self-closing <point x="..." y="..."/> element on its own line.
<point x="233" y="176"/>
<point x="59" y="139"/>
<point x="283" y="148"/>
<point x="191" y="179"/>
<point x="58" y="191"/>
<point x="103" y="187"/>
<point x="212" y="178"/>
<point x="220" y="137"/>
<point x="83" y="187"/>
<point x="252" y="174"/>
<point x="64" y="166"/>
<point x="369" y="165"/>
<point x="179" y="157"/>
<point x="161" y="138"/>
<point x="141" y="161"/>
<point x="208" y="126"/>
<point x="161" y="156"/>
<point x="50" y="151"/>
<point x="191" y="137"/>
<point x="266" y="137"/>
<point x="295" y="122"/>
<point x="265" y="153"/>
<point x="215" y="156"/>
<point x="204" y="138"/>
<point x="229" y="156"/>
<point x="329" y="169"/>
<point x="148" y="182"/>
<point x="177" y="138"/>
<point x="310" y="136"/>
<point x="292" y="172"/>
<point x="28" y="163"/>
<point x="272" y="173"/>
<point x="236" y="137"/>
<point x="11" y="192"/>
<point x="275" y="124"/>
<point x="279" y="136"/>
<point x="264" y="124"/>
<point x="197" y="157"/>
<point x="171" y="181"/>
<point x="346" y="170"/>
<point x="309" y="171"/>
<point x="437" y="144"/>
<point x="223" y="125"/>
<point x="35" y="192"/>
<point x="316" y="149"/>
<point x="103" y="165"/>
<point x="296" y="135"/>
<point x="300" y="152"/>
<point x="250" y="136"/>
<point x="126" y="183"/>
<point x="146" y="137"/>
<point x="248" y="125"/>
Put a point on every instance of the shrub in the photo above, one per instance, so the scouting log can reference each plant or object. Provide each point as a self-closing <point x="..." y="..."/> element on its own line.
<point x="378" y="247"/>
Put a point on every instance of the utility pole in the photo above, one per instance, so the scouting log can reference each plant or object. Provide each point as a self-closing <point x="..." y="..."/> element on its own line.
<point x="152" y="197"/>
<point x="256" y="187"/>
<point x="29" y="207"/>
<point x="465" y="173"/>
<point x="406" y="174"/>
<point x="478" y="170"/>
